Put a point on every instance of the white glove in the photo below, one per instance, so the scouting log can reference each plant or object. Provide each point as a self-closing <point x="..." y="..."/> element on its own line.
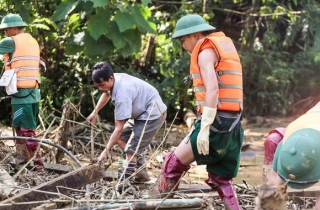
<point x="207" y="119"/>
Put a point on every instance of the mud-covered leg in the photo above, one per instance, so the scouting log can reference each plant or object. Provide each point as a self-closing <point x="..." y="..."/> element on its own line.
<point x="32" y="148"/>
<point x="169" y="177"/>
<point x="270" y="146"/>
<point x="21" y="155"/>
<point x="225" y="189"/>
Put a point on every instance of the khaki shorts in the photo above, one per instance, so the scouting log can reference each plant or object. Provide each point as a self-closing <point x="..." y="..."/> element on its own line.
<point x="225" y="148"/>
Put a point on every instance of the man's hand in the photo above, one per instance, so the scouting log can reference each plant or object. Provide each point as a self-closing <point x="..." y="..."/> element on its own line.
<point x="271" y="197"/>
<point x="103" y="156"/>
<point x="207" y="119"/>
<point x="92" y="118"/>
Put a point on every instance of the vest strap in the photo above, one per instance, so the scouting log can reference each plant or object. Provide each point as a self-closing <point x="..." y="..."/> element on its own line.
<point x="229" y="72"/>
<point x="230" y="100"/>
<point x="199" y="89"/>
<point x="27" y="68"/>
<point x="200" y="103"/>
<point x="226" y="114"/>
<point x="19" y="58"/>
<point x="222" y="86"/>
<point x="27" y="78"/>
<point x="195" y="76"/>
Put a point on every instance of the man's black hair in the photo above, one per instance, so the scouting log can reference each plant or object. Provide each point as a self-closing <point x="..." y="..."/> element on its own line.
<point x="101" y="71"/>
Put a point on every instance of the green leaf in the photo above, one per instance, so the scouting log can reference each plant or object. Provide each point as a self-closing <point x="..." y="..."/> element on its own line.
<point x="64" y="9"/>
<point x="146" y="2"/>
<point x="24" y="13"/>
<point x="74" y="22"/>
<point x="18" y="4"/>
<point x="133" y="38"/>
<point x="99" y="47"/>
<point x="73" y="49"/>
<point x="115" y="36"/>
<point x="143" y="24"/>
<point x="75" y="44"/>
<point x="85" y="6"/>
<point x="126" y="51"/>
<point x="99" y="3"/>
<point x="98" y="23"/>
<point x="124" y="20"/>
<point x="40" y="26"/>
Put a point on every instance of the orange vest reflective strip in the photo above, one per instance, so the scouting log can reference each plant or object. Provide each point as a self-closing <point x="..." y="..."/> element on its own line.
<point x="25" y="60"/>
<point x="228" y="71"/>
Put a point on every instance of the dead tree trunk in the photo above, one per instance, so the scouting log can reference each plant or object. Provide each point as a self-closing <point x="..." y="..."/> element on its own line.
<point x="64" y="129"/>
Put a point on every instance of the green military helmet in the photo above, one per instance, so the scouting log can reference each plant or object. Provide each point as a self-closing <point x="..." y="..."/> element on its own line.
<point x="12" y="20"/>
<point x="190" y="24"/>
<point x="298" y="159"/>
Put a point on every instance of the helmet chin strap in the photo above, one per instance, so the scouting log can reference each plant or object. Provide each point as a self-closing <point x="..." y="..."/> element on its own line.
<point x="288" y="181"/>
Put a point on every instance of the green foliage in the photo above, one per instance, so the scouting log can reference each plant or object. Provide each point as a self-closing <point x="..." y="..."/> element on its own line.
<point x="278" y="43"/>
<point x="64" y="9"/>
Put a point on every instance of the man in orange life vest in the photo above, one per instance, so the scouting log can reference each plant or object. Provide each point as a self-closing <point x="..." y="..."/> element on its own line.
<point x="217" y="136"/>
<point x="294" y="154"/>
<point x="21" y="52"/>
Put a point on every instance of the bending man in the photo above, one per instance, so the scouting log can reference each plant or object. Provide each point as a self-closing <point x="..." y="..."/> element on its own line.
<point x="139" y="110"/>
<point x="295" y="162"/>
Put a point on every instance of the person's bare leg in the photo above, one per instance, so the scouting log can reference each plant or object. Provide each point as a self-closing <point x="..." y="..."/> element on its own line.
<point x="122" y="144"/>
<point x="184" y="152"/>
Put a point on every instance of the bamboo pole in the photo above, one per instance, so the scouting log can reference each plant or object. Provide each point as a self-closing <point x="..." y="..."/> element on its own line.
<point x="152" y="204"/>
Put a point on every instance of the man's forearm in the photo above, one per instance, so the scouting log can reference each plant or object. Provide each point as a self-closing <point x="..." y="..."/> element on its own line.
<point x="116" y="134"/>
<point x="103" y="100"/>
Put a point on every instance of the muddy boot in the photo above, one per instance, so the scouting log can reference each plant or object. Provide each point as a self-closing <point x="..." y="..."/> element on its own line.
<point x="142" y="175"/>
<point x="169" y="177"/>
<point x="128" y="167"/>
<point x="21" y="156"/>
<point x="226" y="191"/>
<point x="37" y="161"/>
<point x="270" y="146"/>
<point x="125" y="171"/>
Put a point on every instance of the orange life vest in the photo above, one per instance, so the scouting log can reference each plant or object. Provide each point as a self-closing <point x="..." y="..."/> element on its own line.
<point x="228" y="70"/>
<point x="25" y="60"/>
<point x="308" y="120"/>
